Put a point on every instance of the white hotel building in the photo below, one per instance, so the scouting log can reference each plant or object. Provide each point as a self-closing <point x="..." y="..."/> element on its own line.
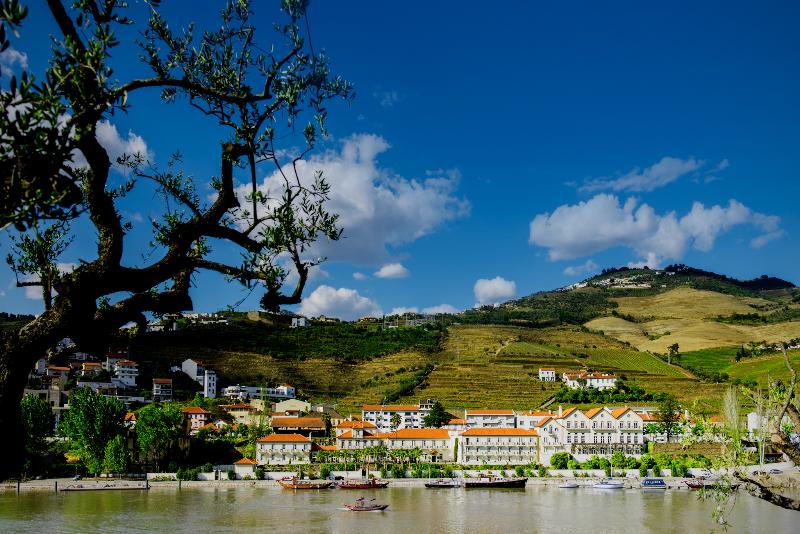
<point x="512" y="446"/>
<point x="592" y="380"/>
<point x="411" y="415"/>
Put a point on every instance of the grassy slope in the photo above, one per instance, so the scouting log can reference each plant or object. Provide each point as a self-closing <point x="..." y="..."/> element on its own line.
<point x="682" y="316"/>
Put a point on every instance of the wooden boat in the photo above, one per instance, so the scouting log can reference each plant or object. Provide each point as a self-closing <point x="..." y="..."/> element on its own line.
<point x="653" y="484"/>
<point x="297" y="484"/>
<point x="371" y="483"/>
<point x="364" y="506"/>
<point x="443" y="483"/>
<point x="609" y="483"/>
<point x="569" y="485"/>
<point x="491" y="481"/>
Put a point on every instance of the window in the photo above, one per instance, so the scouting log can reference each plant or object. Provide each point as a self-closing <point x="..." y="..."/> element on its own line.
<point x="582" y="425"/>
<point x="568" y="423"/>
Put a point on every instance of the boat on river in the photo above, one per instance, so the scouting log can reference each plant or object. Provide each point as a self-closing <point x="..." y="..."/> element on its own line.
<point x="298" y="484"/>
<point x="443" y="483"/>
<point x="362" y="505"/>
<point x="371" y="483"/>
<point x="609" y="483"/>
<point x="653" y="484"/>
<point x="492" y="481"/>
<point x="569" y="485"/>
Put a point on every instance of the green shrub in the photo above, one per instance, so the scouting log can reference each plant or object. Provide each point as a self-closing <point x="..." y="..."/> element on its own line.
<point x="520" y="471"/>
<point x="643" y="470"/>
<point x="572" y="464"/>
<point x="259" y="472"/>
<point x="398" y="471"/>
<point x="542" y="471"/>
<point x="324" y="471"/>
<point x="560" y="460"/>
<point x="231" y="474"/>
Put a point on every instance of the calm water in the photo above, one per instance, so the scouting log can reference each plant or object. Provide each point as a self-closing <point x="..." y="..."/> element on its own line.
<point x="412" y="510"/>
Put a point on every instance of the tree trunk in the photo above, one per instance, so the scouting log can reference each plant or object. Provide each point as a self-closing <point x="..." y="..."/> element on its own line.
<point x="18" y="353"/>
<point x="13" y="377"/>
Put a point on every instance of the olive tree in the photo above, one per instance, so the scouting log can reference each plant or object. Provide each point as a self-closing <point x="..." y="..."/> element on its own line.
<point x="53" y="167"/>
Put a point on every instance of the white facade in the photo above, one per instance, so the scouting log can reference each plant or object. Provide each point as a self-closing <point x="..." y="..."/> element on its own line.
<point x="513" y="446"/>
<point x="298" y="322"/>
<point x="125" y="373"/>
<point x="283" y="449"/>
<point x="411" y="416"/>
<point x="205" y="377"/>
<point x="210" y="384"/>
<point x="547" y="375"/>
<point x="598" y="431"/>
<point x="283" y="391"/>
<point x="592" y="380"/>
<point x="490" y="418"/>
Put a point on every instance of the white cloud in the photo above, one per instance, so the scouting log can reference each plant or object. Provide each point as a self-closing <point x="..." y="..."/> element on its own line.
<point x="573" y="231"/>
<point x="343" y="303"/>
<point x="583" y="268"/>
<point x="108" y="136"/>
<point x="440" y="308"/>
<point x="10" y="57"/>
<point x="662" y="173"/>
<point x="387" y="99"/>
<point x="400" y="310"/>
<point x="760" y="241"/>
<point x="392" y="270"/>
<point x="377" y="208"/>
<point x="360" y="276"/>
<point x="494" y="291"/>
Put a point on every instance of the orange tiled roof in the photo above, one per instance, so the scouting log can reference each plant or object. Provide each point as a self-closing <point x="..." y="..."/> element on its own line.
<point x="355" y="424"/>
<point x="543" y="421"/>
<point x="490" y="412"/>
<point x="619" y="411"/>
<point x="298" y="422"/>
<point x="389" y="407"/>
<point x="57" y="368"/>
<point x="245" y="461"/>
<point x="538" y="414"/>
<point x="546" y="369"/>
<point x="456" y="422"/>
<point x="195" y="409"/>
<point x="162" y="381"/>
<point x="130" y="416"/>
<point x="127" y="362"/>
<point x="592" y="412"/>
<point x="499" y="432"/>
<point x="568" y="411"/>
<point x="318" y="447"/>
<point x="417" y="433"/>
<point x="92" y="364"/>
<point x="209" y="426"/>
<point x="283" y="438"/>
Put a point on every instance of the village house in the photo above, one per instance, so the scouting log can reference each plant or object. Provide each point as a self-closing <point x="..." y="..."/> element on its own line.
<point x="91" y="369"/>
<point x="529" y="420"/>
<point x="196" y="418"/>
<point x="245" y="414"/>
<point x="547" y="374"/>
<point x="306" y="426"/>
<point x="283" y="449"/>
<point x="490" y="418"/>
<point x="455" y="426"/>
<point x="205" y="377"/>
<point x="242" y="393"/>
<point x="125" y="373"/>
<point x="599" y="381"/>
<point x="59" y="371"/>
<point x="112" y="357"/>
<point x="162" y="389"/>
<point x="348" y="425"/>
<point x="512" y="446"/>
<point x="292" y="405"/>
<point x="245" y="467"/>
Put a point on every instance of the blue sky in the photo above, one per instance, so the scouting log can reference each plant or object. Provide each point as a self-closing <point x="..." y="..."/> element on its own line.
<point x="527" y="147"/>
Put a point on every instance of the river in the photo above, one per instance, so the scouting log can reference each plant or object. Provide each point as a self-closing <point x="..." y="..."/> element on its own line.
<point x="411" y="510"/>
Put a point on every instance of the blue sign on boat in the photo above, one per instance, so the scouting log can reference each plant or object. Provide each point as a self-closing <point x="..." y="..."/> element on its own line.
<point x="654" y="483"/>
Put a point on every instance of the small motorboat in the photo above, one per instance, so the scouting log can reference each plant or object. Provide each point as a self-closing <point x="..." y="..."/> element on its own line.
<point x="609" y="483"/>
<point x="569" y="485"/>
<point x="371" y="483"/>
<point x="362" y="505"/>
<point x="653" y="484"/>
<point x="443" y="483"/>
<point x="492" y="481"/>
